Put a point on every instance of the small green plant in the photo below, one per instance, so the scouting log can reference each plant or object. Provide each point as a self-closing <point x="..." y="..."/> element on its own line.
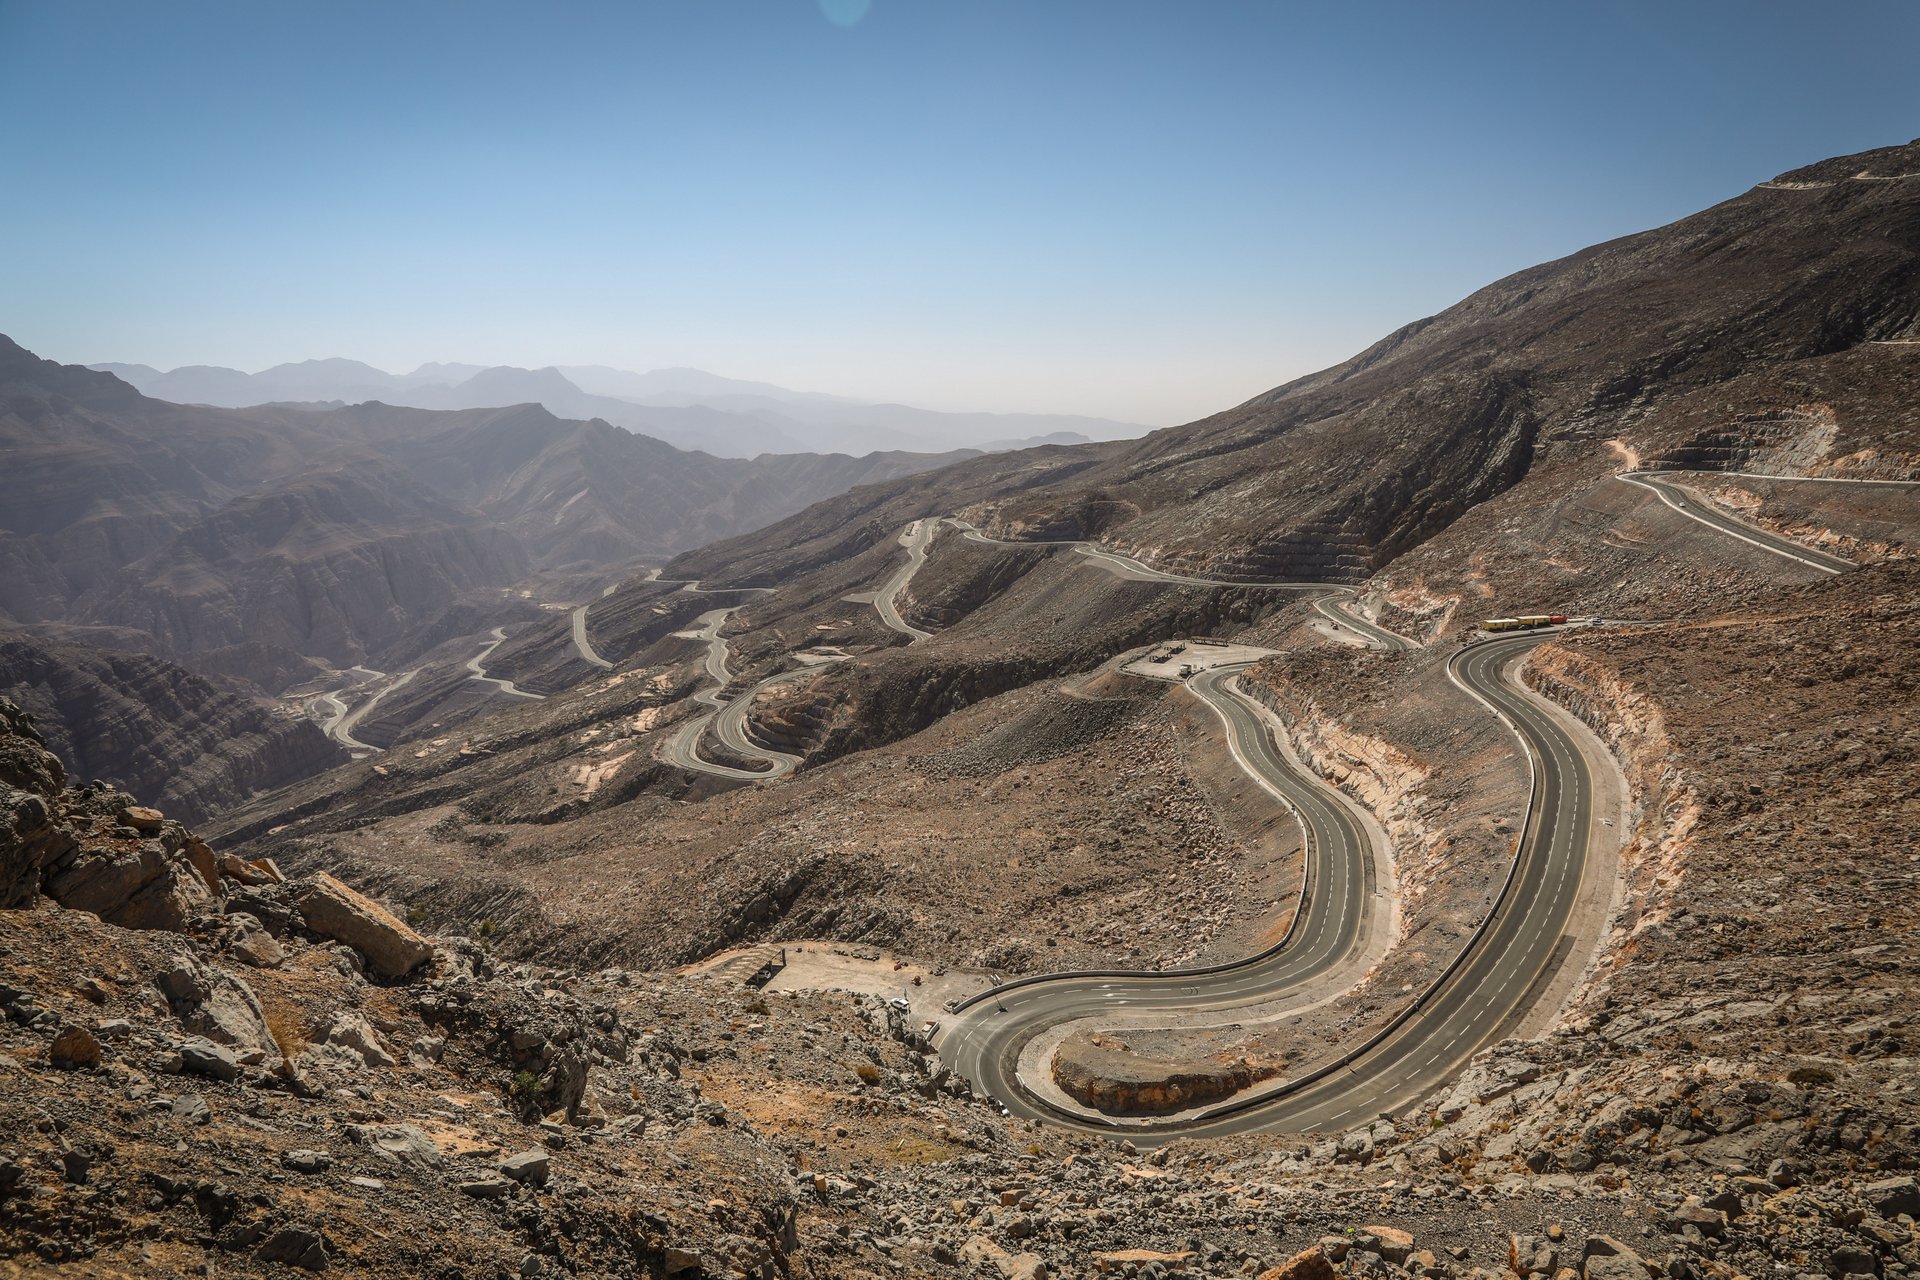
<point x="416" y="915"/>
<point x="485" y="929"/>
<point x="525" y="1086"/>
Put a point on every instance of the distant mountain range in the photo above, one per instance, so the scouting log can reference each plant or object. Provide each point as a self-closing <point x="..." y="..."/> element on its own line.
<point x="687" y="408"/>
<point x="252" y="541"/>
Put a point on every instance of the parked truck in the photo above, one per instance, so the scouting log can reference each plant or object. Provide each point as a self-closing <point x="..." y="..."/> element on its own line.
<point x="1525" y="622"/>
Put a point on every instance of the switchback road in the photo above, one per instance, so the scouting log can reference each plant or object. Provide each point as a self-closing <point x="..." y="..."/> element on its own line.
<point x="1338" y="908"/>
<point x="728" y="719"/>
<point x="918" y="538"/>
<point x="1483" y="992"/>
<point x="1126" y="566"/>
<point x="582" y="645"/>
<point x="341" y="723"/>
<point x="477" y="671"/>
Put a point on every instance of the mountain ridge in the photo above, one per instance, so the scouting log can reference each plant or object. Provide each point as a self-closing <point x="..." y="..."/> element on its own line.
<point x="329" y="533"/>
<point x="689" y="408"/>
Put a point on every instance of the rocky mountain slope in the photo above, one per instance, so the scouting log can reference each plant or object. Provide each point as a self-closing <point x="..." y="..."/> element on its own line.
<point x="331" y="535"/>
<point x="141" y="723"/>
<point x="1334" y="475"/>
<point x="210" y="1065"/>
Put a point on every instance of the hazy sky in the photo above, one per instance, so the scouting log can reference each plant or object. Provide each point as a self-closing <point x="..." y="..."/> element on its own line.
<point x="1142" y="210"/>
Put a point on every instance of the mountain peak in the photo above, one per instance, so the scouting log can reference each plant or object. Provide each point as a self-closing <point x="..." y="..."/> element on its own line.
<point x="21" y="367"/>
<point x="524" y="384"/>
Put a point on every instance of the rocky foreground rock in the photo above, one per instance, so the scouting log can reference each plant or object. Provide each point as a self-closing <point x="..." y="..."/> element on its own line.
<point x="281" y="1077"/>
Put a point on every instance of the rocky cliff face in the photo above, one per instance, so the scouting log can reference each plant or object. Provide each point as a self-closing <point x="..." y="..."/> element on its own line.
<point x="145" y="725"/>
<point x="1664" y="798"/>
<point x="342" y="564"/>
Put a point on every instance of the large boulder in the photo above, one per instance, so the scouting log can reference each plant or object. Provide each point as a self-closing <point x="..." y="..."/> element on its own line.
<point x="216" y="1004"/>
<point x="1531" y="1255"/>
<point x="1609" y="1259"/>
<point x="350" y="1038"/>
<point x="1393" y="1244"/>
<point x="403" y="1144"/>
<point x="149" y="885"/>
<point x="531" y="1167"/>
<point x="1891" y="1197"/>
<point x="202" y="1057"/>
<point x="334" y="911"/>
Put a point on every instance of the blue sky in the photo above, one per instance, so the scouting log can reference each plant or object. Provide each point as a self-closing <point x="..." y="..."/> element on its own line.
<point x="1141" y="210"/>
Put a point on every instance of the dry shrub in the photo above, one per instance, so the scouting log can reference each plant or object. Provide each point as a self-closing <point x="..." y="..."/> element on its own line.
<point x="288" y="1030"/>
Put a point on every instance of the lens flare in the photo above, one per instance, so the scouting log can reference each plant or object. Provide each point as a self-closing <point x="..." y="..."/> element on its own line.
<point x="845" y="13"/>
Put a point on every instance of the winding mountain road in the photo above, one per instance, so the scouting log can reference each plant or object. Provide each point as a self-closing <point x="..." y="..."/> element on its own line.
<point x="340" y="723"/>
<point x="477" y="671"/>
<point x="1373" y="633"/>
<point x="917" y="538"/>
<point x="728" y="718"/>
<point x="582" y="645"/>
<point x="1126" y="566"/>
<point x="1719" y="521"/>
<point x="1487" y="987"/>
<point x="1483" y="992"/>
<point x="1338" y="907"/>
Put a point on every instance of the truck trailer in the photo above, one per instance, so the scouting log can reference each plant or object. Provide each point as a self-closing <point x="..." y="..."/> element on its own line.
<point x="1525" y="622"/>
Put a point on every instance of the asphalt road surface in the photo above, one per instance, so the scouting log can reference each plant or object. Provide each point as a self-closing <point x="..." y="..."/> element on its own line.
<point x="1340" y="908"/>
<point x="1126" y="566"/>
<point x="728" y="718"/>
<point x="1486" y="991"/>
<point x="916" y="538"/>
<point x="582" y="645"/>
<point x="1377" y="636"/>
<point x="1694" y="509"/>
<point x="477" y="671"/>
<point x="341" y="723"/>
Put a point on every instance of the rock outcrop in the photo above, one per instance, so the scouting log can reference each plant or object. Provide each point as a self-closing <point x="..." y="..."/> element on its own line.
<point x="332" y="910"/>
<point x="31" y="779"/>
<point x="216" y="1004"/>
<point x="1102" y="1072"/>
<point x="91" y="849"/>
